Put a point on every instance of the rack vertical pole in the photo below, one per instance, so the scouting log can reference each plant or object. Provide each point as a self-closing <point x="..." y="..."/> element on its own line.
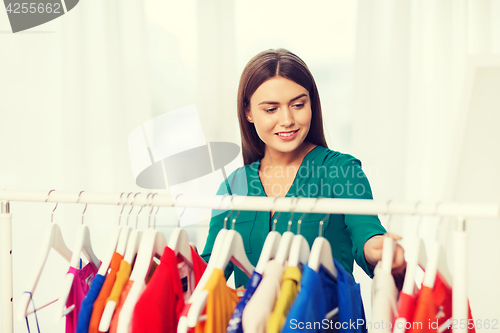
<point x="6" y="286"/>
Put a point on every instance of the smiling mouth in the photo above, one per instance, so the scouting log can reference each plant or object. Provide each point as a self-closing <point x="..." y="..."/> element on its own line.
<point x="285" y="134"/>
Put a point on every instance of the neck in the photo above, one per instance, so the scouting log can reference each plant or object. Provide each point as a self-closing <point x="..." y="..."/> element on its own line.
<point x="275" y="158"/>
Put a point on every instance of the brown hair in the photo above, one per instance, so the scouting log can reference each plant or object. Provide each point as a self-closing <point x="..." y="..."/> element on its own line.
<point x="259" y="69"/>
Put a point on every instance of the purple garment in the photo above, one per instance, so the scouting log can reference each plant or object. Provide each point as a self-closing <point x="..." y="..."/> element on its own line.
<point x="79" y="288"/>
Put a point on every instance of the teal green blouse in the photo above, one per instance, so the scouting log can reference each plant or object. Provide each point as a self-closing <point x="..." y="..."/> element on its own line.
<point x="323" y="173"/>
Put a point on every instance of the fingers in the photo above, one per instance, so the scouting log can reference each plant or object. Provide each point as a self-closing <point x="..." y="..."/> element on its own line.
<point x="399" y="263"/>
<point x="393" y="236"/>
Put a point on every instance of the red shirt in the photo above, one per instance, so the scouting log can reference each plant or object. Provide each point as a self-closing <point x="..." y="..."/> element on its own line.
<point x="160" y="305"/>
<point x="434" y="306"/>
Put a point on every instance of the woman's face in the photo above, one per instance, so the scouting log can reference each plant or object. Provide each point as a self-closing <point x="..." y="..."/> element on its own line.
<point x="281" y="112"/>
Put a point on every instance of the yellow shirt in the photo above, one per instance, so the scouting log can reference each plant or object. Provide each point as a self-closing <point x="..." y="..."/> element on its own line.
<point x="121" y="280"/>
<point x="288" y="293"/>
<point x="221" y="302"/>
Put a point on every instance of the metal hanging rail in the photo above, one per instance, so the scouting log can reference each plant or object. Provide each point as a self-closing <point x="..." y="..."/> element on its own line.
<point x="312" y="205"/>
<point x="282" y="204"/>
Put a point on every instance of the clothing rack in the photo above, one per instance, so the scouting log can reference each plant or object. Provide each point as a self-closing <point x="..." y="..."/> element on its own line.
<point x="461" y="211"/>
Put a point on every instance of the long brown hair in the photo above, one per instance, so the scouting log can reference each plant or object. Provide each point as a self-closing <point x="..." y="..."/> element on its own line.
<point x="259" y="69"/>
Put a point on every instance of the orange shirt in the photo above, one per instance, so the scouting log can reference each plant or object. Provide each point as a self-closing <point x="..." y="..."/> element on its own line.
<point x="123" y="297"/>
<point x="100" y="302"/>
<point x="221" y="302"/>
<point x="433" y="309"/>
<point x="121" y="280"/>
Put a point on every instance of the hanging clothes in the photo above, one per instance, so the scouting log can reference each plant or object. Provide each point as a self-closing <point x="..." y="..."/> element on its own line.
<point x="406" y="308"/>
<point x="434" y="309"/>
<point x="261" y="305"/>
<point x="384" y="300"/>
<point x="100" y="302"/>
<point x="288" y="293"/>
<point x="325" y="304"/>
<point x="159" y="307"/>
<point x="123" y="296"/>
<point x="88" y="304"/>
<point x="221" y="302"/>
<point x="235" y="325"/>
<point x="81" y="285"/>
<point x="123" y="313"/>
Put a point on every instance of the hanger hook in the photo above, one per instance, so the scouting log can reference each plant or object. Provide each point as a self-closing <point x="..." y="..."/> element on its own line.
<point x="77" y="201"/>
<point x="322" y="221"/>
<point x="140" y="210"/>
<point x="292" y="209"/>
<point x="152" y="208"/>
<point x="123" y="207"/>
<point x="277" y="217"/>
<point x="419" y="224"/>
<point x="132" y="204"/>
<point x="118" y="204"/>
<point x="154" y="220"/>
<point x="52" y="216"/>
<point x="179" y="218"/>
<point x="227" y="216"/>
<point x="299" y="222"/>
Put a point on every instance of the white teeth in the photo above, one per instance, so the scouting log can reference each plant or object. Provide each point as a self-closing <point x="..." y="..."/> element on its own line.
<point x="286" y="134"/>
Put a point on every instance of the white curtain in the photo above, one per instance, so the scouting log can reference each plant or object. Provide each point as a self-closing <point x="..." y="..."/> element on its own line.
<point x="71" y="92"/>
<point x="411" y="60"/>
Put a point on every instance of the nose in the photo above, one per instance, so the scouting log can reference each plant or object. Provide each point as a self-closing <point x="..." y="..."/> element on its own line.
<point x="286" y="117"/>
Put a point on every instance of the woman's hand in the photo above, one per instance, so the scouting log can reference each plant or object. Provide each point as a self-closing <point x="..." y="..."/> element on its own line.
<point x="373" y="254"/>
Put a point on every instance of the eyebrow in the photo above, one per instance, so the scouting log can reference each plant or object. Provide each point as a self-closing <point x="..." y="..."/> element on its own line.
<point x="293" y="99"/>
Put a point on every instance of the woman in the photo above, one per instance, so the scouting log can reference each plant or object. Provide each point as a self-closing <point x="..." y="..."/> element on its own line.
<point x="285" y="155"/>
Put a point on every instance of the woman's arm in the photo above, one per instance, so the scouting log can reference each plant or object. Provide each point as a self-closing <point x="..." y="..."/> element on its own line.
<point x="353" y="184"/>
<point x="373" y="253"/>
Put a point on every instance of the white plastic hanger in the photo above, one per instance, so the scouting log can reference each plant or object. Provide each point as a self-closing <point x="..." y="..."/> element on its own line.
<point x="299" y="251"/>
<point x="270" y="247"/>
<point x="113" y="244"/>
<point x="152" y="245"/>
<point x="52" y="240"/>
<point x="179" y="243"/>
<point x="321" y="253"/>
<point x="200" y="295"/>
<point x="285" y="243"/>
<point x="124" y="233"/>
<point x="418" y="258"/>
<point x="132" y="247"/>
<point x="232" y="250"/>
<point x="386" y="306"/>
<point x="82" y="244"/>
<point x="437" y="263"/>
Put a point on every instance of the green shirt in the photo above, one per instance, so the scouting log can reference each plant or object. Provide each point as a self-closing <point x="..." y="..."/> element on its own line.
<point x="323" y="173"/>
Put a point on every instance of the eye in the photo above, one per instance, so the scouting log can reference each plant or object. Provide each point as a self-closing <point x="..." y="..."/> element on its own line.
<point x="270" y="110"/>
<point x="298" y="106"/>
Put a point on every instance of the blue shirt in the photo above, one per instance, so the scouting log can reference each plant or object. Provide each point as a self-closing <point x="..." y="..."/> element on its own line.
<point x="235" y="324"/>
<point x="88" y="304"/>
<point x="319" y="294"/>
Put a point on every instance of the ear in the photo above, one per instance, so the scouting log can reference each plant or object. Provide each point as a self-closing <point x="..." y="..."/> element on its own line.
<point x="248" y="115"/>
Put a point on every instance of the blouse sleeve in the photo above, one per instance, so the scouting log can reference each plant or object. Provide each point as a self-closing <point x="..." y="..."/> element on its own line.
<point x="353" y="184"/>
<point x="216" y="224"/>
